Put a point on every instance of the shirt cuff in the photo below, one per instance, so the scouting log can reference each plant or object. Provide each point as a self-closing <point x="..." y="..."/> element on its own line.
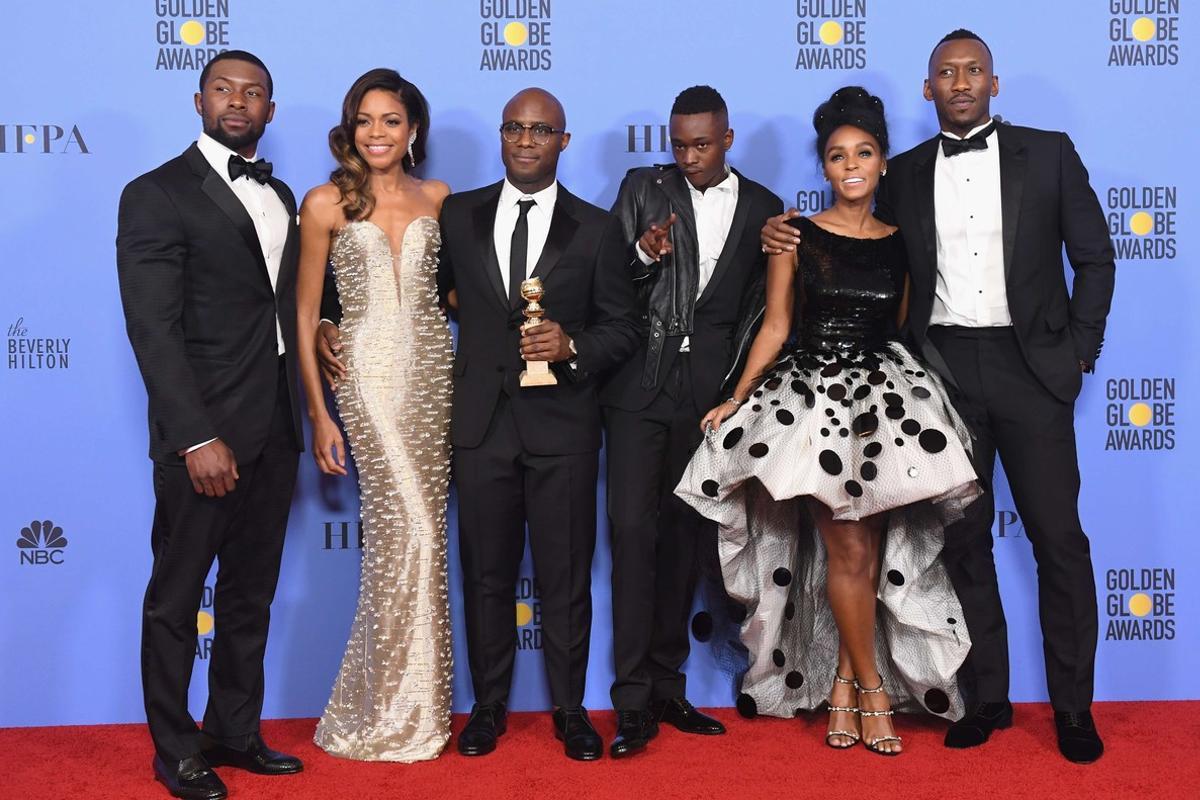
<point x="324" y="319"/>
<point x="641" y="254"/>
<point x="195" y="447"/>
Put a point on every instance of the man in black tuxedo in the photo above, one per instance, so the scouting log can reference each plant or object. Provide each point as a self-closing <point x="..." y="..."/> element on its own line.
<point x="206" y="256"/>
<point x="528" y="454"/>
<point x="986" y="209"/>
<point x="692" y="247"/>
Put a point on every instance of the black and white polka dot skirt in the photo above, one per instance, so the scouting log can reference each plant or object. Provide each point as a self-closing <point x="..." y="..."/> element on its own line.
<point x="862" y="433"/>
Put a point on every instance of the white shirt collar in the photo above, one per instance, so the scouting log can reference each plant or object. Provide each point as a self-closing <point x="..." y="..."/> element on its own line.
<point x="970" y="133"/>
<point x="509" y="195"/>
<point x="727" y="184"/>
<point x="217" y="155"/>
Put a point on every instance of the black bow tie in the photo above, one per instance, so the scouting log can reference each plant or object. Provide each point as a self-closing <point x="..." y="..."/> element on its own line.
<point x="953" y="147"/>
<point x="254" y="170"/>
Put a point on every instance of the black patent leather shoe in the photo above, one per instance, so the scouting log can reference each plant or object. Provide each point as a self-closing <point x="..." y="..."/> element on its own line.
<point x="190" y="778"/>
<point x="575" y="731"/>
<point x="635" y="729"/>
<point x="485" y="725"/>
<point x="683" y="715"/>
<point x="255" y="757"/>
<point x="1078" y="740"/>
<point x="977" y="726"/>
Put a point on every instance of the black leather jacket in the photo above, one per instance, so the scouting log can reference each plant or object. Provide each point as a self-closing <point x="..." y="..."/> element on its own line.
<point x="666" y="296"/>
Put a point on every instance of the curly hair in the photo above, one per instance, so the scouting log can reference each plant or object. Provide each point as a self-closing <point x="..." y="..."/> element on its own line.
<point x="850" y="105"/>
<point x="352" y="173"/>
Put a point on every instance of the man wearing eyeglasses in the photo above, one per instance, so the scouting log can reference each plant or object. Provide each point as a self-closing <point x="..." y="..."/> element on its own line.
<point x="529" y="455"/>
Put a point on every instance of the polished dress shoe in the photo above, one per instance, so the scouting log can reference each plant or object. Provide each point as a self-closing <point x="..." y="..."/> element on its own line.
<point x="635" y="729"/>
<point x="683" y="715"/>
<point x="575" y="731"/>
<point x="1077" y="737"/>
<point x="254" y="757"/>
<point x="975" y="728"/>
<point x="190" y="779"/>
<point x="485" y="725"/>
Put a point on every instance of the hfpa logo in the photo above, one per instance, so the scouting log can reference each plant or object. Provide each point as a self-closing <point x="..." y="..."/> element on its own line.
<point x="41" y="139"/>
<point x="41" y="543"/>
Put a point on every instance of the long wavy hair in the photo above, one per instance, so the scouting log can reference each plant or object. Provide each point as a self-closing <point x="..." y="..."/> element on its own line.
<point x="352" y="173"/>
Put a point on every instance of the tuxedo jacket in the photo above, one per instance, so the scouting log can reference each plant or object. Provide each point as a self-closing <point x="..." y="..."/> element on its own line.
<point x="200" y="311"/>
<point x="587" y="291"/>
<point x="1046" y="202"/>
<point x="668" y="307"/>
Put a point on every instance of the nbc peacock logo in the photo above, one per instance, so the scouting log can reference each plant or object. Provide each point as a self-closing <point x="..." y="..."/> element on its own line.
<point x="41" y="543"/>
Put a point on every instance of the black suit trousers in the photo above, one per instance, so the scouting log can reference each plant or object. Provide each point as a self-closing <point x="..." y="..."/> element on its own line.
<point x="656" y="538"/>
<point x="244" y="531"/>
<point x="1013" y="414"/>
<point x="501" y="486"/>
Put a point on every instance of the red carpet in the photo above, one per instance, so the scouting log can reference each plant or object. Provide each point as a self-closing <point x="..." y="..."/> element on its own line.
<point x="1153" y="752"/>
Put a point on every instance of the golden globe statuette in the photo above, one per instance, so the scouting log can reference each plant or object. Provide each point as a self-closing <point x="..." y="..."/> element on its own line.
<point x="536" y="373"/>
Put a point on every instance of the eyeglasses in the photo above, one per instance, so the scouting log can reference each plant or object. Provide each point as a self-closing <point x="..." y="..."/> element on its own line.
<point x="540" y="132"/>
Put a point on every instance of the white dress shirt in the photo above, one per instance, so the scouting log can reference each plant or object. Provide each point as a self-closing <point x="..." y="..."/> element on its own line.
<point x="539" y="217"/>
<point x="713" y="210"/>
<point x="970" y="238"/>
<point x="267" y="212"/>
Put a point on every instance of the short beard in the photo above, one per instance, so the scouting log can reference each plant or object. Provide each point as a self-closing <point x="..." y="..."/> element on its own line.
<point x="235" y="143"/>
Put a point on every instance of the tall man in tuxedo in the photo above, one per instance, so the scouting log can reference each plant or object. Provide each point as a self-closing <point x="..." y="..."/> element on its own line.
<point x="206" y="256"/>
<point x="986" y="209"/>
<point x="528" y="455"/>
<point x="691" y="244"/>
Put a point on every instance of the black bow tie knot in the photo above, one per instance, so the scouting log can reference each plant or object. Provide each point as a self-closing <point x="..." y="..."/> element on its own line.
<point x="955" y="147"/>
<point x="259" y="171"/>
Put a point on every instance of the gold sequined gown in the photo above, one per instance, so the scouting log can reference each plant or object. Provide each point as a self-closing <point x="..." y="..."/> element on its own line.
<point x="391" y="700"/>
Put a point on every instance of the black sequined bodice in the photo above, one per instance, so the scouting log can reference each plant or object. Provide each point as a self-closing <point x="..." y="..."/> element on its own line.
<point x="848" y="290"/>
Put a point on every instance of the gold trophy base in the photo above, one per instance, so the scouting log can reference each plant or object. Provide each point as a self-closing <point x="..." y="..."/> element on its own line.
<point x="537" y="373"/>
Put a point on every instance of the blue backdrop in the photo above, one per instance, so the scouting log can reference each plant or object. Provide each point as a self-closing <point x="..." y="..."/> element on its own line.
<point x="93" y="94"/>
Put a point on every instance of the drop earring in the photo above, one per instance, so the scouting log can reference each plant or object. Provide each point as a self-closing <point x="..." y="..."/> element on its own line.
<point x="412" y="161"/>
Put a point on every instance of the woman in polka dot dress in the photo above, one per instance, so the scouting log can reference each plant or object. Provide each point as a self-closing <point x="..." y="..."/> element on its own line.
<point x="834" y="469"/>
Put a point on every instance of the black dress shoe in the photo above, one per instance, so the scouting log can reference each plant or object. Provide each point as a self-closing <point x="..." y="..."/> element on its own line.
<point x="190" y="779"/>
<point x="975" y="728"/>
<point x="635" y="729"/>
<point x="254" y="757"/>
<point x="1077" y="737"/>
<point x="575" y="731"/>
<point x="486" y="724"/>
<point x="683" y="715"/>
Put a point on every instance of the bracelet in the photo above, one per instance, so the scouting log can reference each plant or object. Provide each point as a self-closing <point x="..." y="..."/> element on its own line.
<point x="731" y="399"/>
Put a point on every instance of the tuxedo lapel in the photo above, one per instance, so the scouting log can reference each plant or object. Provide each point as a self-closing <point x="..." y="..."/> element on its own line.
<point x="219" y="192"/>
<point x="562" y="230"/>
<point x="924" y="164"/>
<point x="732" y="240"/>
<point x="289" y="259"/>
<point x="483" y="223"/>
<point x="1013" y="163"/>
